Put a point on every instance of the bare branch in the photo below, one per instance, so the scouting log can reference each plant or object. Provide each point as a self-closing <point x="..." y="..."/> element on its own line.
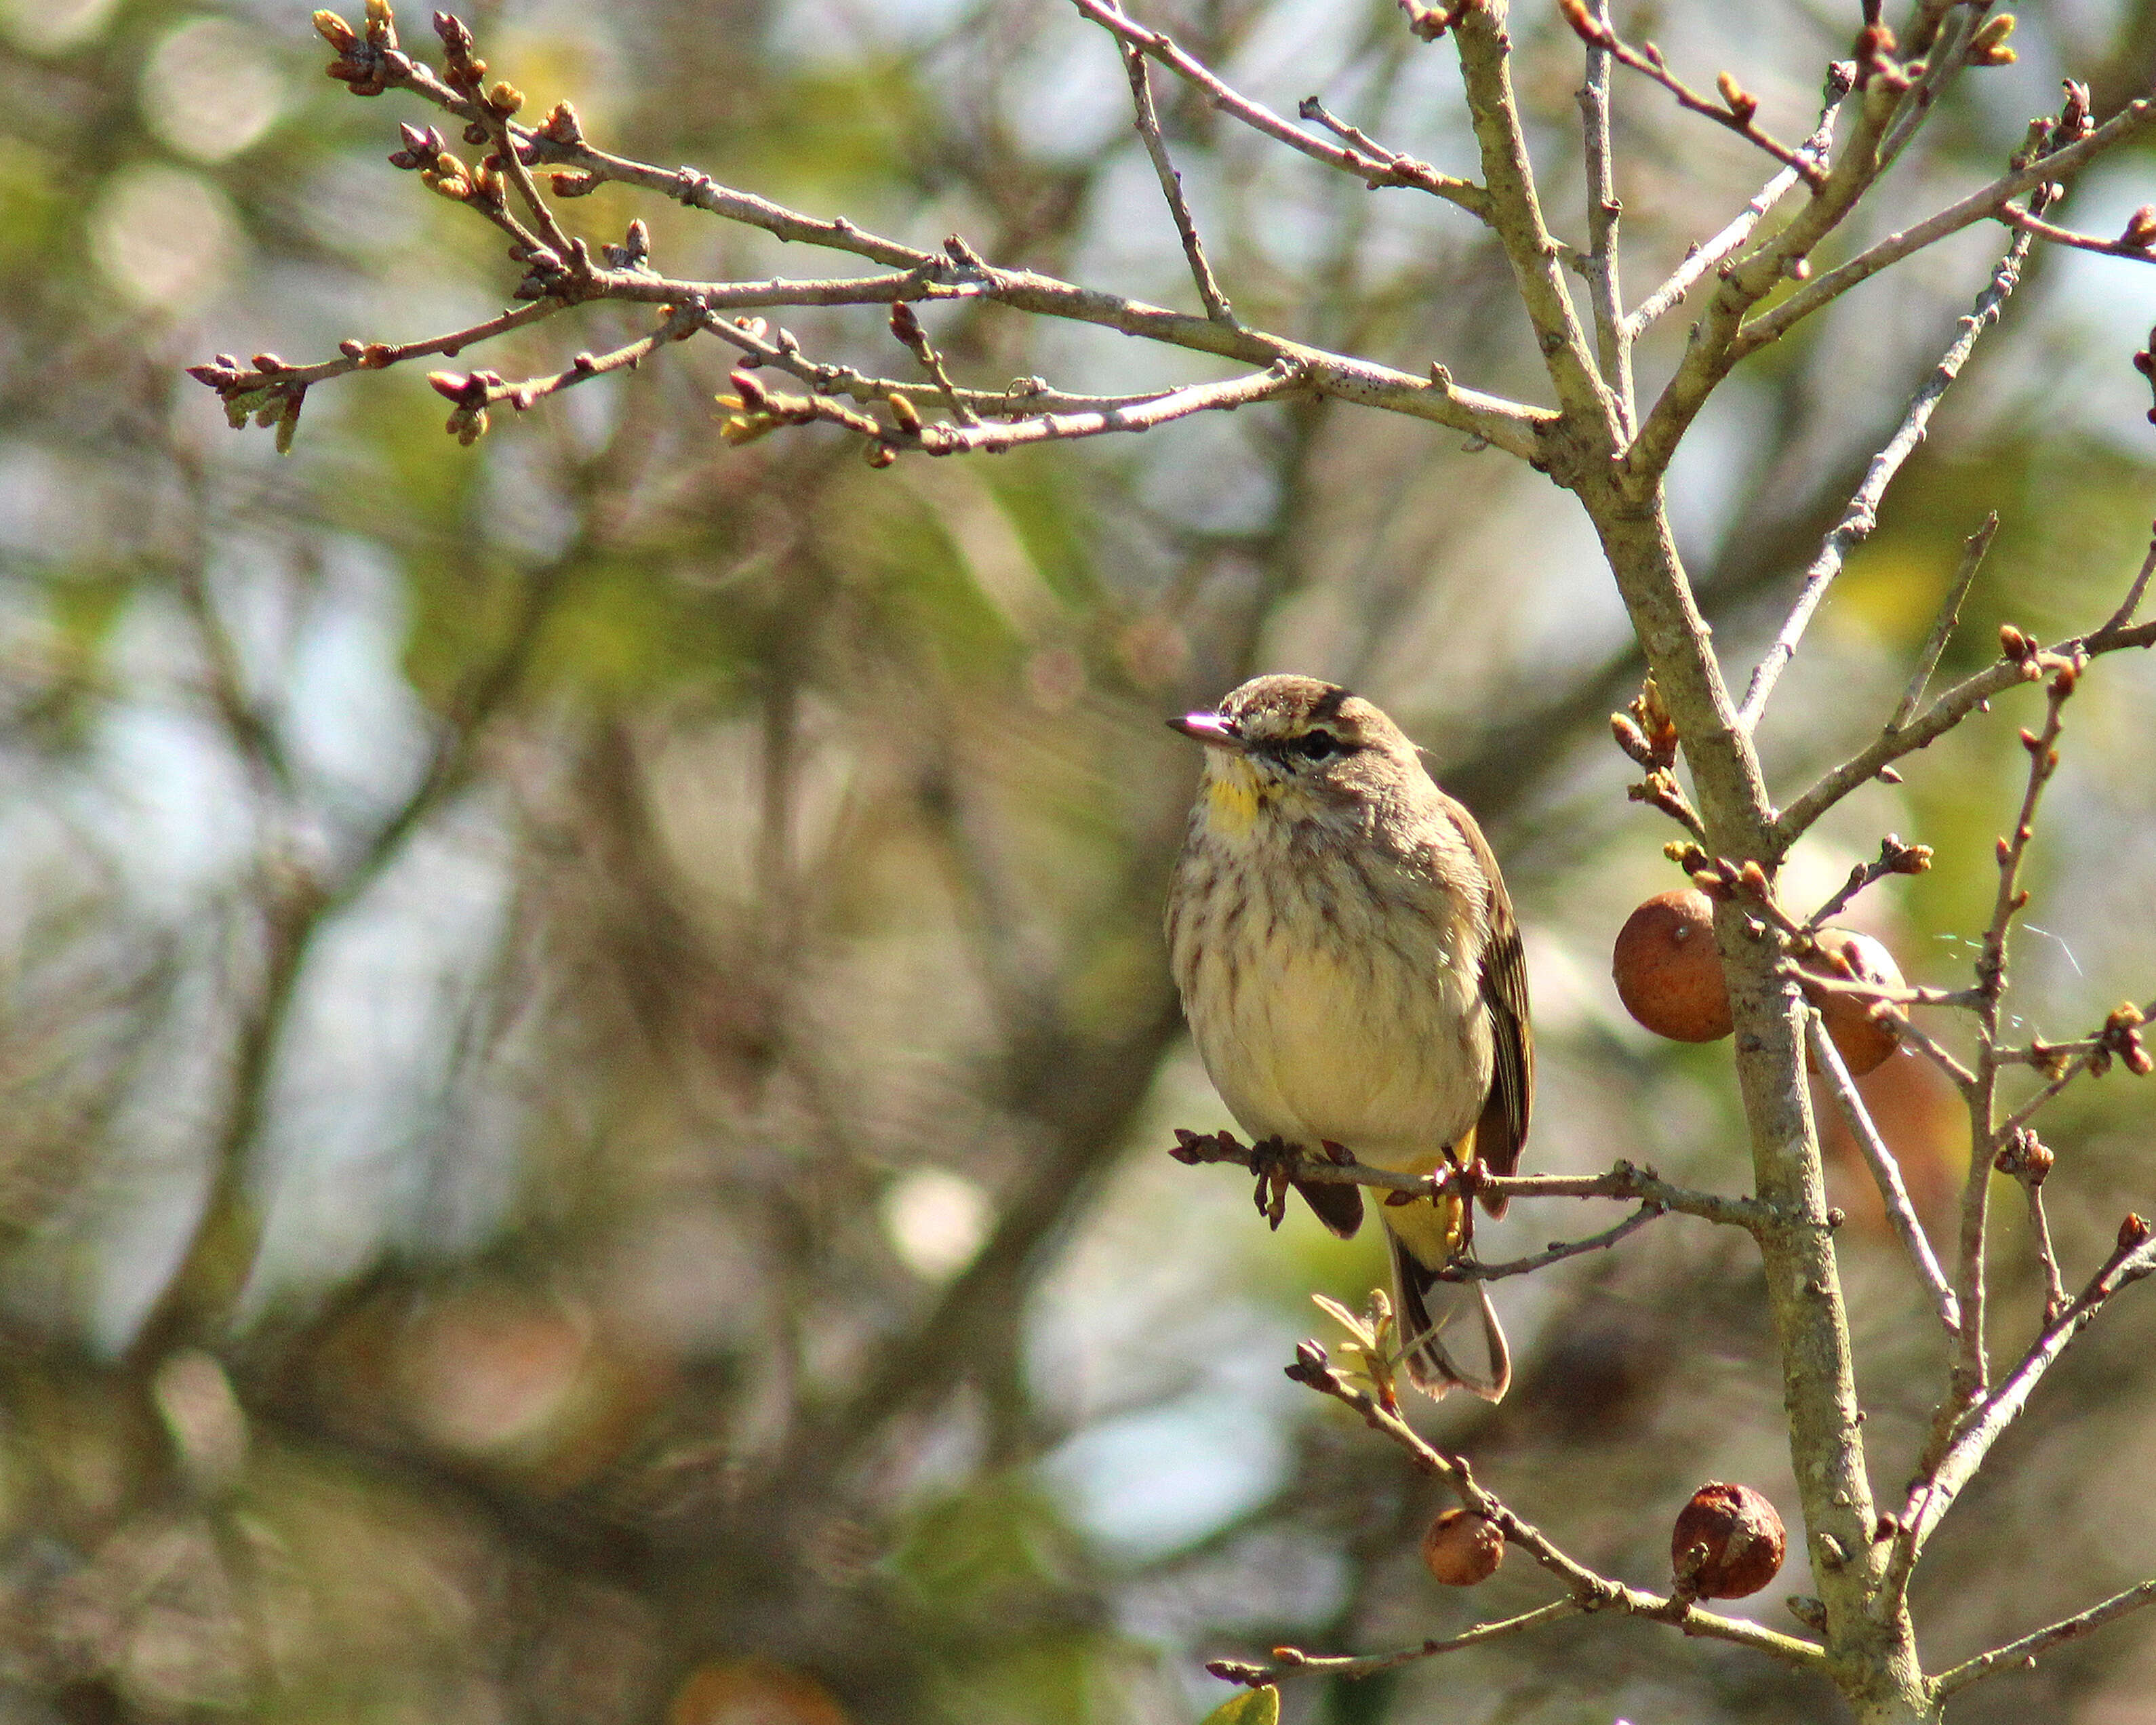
<point x="1885" y="1173"/>
<point x="1862" y="514"/>
<point x="1735" y="110"/>
<point x="1612" y="330"/>
<point x="1894" y="858"/>
<point x="1590" y="1591"/>
<point x="1624" y="1180"/>
<point x="1372" y="171"/>
<point x="1171" y="185"/>
<point x="1932" y="1494"/>
<point x="2021" y="1653"/>
<point x="1943" y="627"/>
<point x="2136" y="251"/>
<point x="1467" y="1269"/>
<point x="1289" y="1660"/>
<point x="1989" y="203"/>
<point x="1516" y="213"/>
<point x="1701" y="258"/>
<point x="1282" y="379"/>
<point x="2123" y="616"/>
<point x="1967" y="696"/>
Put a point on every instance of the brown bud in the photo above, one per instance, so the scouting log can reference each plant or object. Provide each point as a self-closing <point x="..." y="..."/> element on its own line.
<point x="574" y="183"/>
<point x="1462" y="1548"/>
<point x="1727" y="1542"/>
<point x="906" y="413"/>
<point x="1630" y="739"/>
<point x="2131" y="1232"/>
<point x="335" y="31"/>
<point x="1988" y="47"/>
<point x="879" y="455"/>
<point x="1900" y="859"/>
<point x="560" y="125"/>
<point x="1742" y="103"/>
<point x="2013" y="644"/>
<point x="1667" y="972"/>
<point x="2140" y="229"/>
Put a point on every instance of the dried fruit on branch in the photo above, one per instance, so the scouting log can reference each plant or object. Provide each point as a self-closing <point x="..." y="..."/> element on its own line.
<point x="1667" y="972"/>
<point x="1729" y="1542"/>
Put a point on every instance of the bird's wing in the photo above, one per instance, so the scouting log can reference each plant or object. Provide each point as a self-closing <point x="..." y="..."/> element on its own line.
<point x="1503" y="1130"/>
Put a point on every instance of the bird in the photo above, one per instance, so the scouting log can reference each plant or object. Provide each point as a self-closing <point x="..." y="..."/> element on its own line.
<point x="1352" y="974"/>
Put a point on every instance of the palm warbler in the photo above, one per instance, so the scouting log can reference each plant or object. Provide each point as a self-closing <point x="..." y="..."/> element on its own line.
<point x="1352" y="972"/>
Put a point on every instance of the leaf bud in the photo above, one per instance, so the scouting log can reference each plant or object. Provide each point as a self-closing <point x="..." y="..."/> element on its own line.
<point x="1742" y="103"/>
<point x="335" y="31"/>
<point x="1988" y="47"/>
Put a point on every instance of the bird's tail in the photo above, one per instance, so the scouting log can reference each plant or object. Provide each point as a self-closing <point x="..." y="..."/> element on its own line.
<point x="1448" y="1331"/>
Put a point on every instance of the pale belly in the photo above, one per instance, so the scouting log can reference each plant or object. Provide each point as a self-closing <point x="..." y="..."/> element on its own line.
<point x="1385" y="1051"/>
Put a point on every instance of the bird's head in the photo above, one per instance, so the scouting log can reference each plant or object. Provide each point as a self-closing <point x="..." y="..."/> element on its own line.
<point x="1299" y="747"/>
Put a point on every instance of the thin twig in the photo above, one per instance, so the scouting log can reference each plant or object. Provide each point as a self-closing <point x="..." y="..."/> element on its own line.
<point x="1973" y="551"/>
<point x="1624" y="1180"/>
<point x="2065" y="1061"/>
<point x="1701" y="258"/>
<point x="1974" y="1365"/>
<point x="997" y="435"/>
<point x="2040" y="1230"/>
<point x="1612" y="330"/>
<point x="2132" y="603"/>
<point x="1885" y="1173"/>
<point x="1464" y="1269"/>
<point x="483" y="389"/>
<point x="1734" y="111"/>
<point x="2022" y="1654"/>
<point x="1287" y="1661"/>
<point x="1907" y="1030"/>
<point x="1171" y="185"/>
<point x="1894" y="858"/>
<point x="1934" y="1491"/>
<point x="1862" y="514"/>
<point x="1944" y="57"/>
<point x="457" y="41"/>
<point x="228" y="377"/>
<point x="1399" y="170"/>
<point x="2037" y="227"/>
<point x="1972" y="692"/>
<point x="1986" y="204"/>
<point x="907" y="327"/>
<point x="1591" y="1591"/>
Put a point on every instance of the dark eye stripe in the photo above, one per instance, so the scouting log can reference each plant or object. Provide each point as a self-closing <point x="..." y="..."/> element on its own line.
<point x="1317" y="745"/>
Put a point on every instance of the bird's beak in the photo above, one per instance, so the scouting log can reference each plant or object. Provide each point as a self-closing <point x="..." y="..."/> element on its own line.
<point x="1214" y="730"/>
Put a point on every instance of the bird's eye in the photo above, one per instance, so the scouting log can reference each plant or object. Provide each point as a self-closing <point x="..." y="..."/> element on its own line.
<point x="1317" y="746"/>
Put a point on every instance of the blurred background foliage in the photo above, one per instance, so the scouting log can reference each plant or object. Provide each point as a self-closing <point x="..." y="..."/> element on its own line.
<point x="583" y="1046"/>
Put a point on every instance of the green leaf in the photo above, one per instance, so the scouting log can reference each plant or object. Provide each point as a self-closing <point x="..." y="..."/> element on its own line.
<point x="1252" y="1706"/>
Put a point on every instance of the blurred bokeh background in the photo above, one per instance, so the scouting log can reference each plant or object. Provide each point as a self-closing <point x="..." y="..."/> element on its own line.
<point x="584" y="1050"/>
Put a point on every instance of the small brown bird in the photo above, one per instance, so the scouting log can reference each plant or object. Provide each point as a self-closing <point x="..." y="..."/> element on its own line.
<point x="1353" y="975"/>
